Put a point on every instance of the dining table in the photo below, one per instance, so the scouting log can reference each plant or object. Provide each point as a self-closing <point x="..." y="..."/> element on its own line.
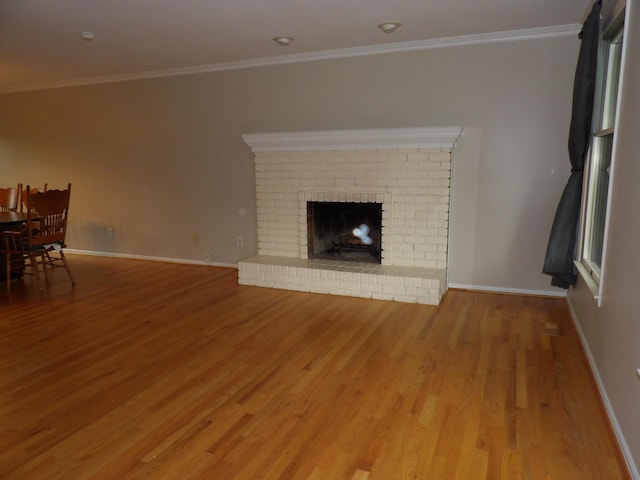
<point x="12" y="221"/>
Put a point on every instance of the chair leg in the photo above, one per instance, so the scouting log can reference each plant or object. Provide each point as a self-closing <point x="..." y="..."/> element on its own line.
<point x="43" y="262"/>
<point x="36" y="271"/>
<point x="50" y="260"/>
<point x="67" y="268"/>
<point x="8" y="261"/>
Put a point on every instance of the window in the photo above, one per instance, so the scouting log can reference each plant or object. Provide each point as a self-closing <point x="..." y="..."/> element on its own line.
<point x="598" y="165"/>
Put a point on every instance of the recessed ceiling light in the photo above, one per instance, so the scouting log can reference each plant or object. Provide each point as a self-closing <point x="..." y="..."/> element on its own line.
<point x="283" y="41"/>
<point x="88" y="36"/>
<point x="388" y="27"/>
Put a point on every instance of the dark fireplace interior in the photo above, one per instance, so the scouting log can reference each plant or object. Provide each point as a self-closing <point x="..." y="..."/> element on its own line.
<point x="347" y="231"/>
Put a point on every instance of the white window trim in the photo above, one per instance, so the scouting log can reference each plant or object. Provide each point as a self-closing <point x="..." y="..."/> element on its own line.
<point x="596" y="282"/>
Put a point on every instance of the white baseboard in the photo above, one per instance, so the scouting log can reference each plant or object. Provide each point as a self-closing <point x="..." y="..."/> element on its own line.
<point x="513" y="291"/>
<point x="149" y="258"/>
<point x="631" y="466"/>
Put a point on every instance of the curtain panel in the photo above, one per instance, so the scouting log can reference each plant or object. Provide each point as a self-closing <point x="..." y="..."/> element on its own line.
<point x="561" y="249"/>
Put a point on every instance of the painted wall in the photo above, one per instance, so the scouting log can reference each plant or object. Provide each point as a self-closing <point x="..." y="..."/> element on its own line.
<point x="612" y="331"/>
<point x="162" y="162"/>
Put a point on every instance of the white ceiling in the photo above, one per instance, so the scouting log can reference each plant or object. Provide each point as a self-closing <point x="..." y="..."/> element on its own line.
<point x="40" y="40"/>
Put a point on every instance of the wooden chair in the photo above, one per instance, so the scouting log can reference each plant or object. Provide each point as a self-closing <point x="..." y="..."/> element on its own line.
<point x="23" y="195"/>
<point x="9" y="198"/>
<point x="43" y="237"/>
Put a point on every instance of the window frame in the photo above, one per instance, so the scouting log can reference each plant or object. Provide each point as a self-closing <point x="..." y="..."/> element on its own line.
<point x="604" y="123"/>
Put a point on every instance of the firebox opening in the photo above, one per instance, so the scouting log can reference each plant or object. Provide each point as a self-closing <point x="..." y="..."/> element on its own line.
<point x="348" y="231"/>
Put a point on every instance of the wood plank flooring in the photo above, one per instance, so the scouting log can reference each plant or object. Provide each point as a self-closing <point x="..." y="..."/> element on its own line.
<point x="161" y="371"/>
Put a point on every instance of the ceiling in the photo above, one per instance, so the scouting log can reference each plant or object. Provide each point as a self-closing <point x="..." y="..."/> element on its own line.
<point x="40" y="42"/>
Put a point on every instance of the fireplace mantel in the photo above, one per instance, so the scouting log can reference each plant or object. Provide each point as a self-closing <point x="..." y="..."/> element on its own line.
<point x="372" y="139"/>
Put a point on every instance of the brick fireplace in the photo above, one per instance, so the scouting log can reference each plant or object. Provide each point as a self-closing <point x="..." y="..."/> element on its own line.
<point x="407" y="171"/>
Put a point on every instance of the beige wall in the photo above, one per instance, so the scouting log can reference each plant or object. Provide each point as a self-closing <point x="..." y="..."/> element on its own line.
<point x="160" y="160"/>
<point x="612" y="332"/>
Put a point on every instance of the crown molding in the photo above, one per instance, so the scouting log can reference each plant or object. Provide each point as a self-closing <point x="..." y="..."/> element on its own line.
<point x="374" y="139"/>
<point x="445" y="42"/>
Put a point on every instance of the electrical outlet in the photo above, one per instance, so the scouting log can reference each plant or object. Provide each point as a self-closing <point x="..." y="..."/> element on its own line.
<point x="195" y="238"/>
<point x="207" y="258"/>
<point x="638" y="372"/>
<point x="240" y="241"/>
<point x="109" y="232"/>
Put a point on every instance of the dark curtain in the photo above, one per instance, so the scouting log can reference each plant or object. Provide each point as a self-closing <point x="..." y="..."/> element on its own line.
<point x="562" y="240"/>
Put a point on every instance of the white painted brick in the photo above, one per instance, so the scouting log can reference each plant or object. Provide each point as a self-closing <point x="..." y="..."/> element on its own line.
<point x="396" y="179"/>
<point x="440" y="157"/>
<point x="426" y="264"/>
<point x="426" y="248"/>
<point x="382" y="296"/>
<point x="393" y="290"/>
<point x="437" y="226"/>
<point x="436" y="240"/>
<point x="419" y="157"/>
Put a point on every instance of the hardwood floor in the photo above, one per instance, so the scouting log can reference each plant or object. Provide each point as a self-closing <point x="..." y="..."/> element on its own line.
<point x="162" y="371"/>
